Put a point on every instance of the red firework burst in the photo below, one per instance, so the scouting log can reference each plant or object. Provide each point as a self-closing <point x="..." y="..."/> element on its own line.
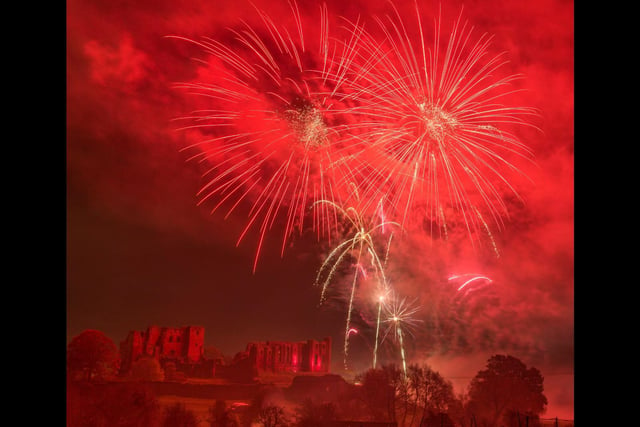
<point x="272" y="138"/>
<point x="439" y="138"/>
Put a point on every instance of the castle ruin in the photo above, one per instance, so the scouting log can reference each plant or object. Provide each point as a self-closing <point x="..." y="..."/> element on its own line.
<point x="184" y="347"/>
<point x="285" y="356"/>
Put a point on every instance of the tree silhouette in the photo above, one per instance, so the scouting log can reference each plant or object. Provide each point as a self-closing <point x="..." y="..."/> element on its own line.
<point x="424" y="395"/>
<point x="312" y="414"/>
<point x="92" y="355"/>
<point x="431" y="395"/>
<point x="506" y="386"/>
<point x="213" y="353"/>
<point x="147" y="369"/>
<point x="379" y="389"/>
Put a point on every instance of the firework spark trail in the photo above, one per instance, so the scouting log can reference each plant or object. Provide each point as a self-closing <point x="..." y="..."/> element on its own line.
<point x="402" y="356"/>
<point x="375" y="347"/>
<point x="361" y="241"/>
<point x="277" y="123"/>
<point x="381" y="299"/>
<point x="350" y="309"/>
<point x="469" y="279"/>
<point x="383" y="285"/>
<point x="437" y="134"/>
<point x="488" y="231"/>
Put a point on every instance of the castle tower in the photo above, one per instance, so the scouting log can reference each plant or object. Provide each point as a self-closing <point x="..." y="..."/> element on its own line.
<point x="171" y="343"/>
<point x="151" y="341"/>
<point x="131" y="349"/>
<point x="193" y="349"/>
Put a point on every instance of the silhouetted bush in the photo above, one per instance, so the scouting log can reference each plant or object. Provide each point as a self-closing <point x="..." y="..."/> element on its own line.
<point x="179" y="416"/>
<point x="146" y="369"/>
<point x="273" y="416"/>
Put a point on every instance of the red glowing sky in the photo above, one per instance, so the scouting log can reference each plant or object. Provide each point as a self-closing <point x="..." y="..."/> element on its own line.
<point x="141" y="252"/>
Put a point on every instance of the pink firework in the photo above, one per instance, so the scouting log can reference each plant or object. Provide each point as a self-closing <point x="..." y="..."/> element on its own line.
<point x="469" y="282"/>
<point x="270" y="132"/>
<point x="440" y="138"/>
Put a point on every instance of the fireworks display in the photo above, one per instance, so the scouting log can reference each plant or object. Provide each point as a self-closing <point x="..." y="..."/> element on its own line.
<point x="357" y="129"/>
<point x="397" y="175"/>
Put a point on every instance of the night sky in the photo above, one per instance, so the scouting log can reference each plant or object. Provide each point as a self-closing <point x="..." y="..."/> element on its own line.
<point x="140" y="251"/>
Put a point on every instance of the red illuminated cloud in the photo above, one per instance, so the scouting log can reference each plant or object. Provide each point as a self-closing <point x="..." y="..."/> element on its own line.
<point x="122" y="65"/>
